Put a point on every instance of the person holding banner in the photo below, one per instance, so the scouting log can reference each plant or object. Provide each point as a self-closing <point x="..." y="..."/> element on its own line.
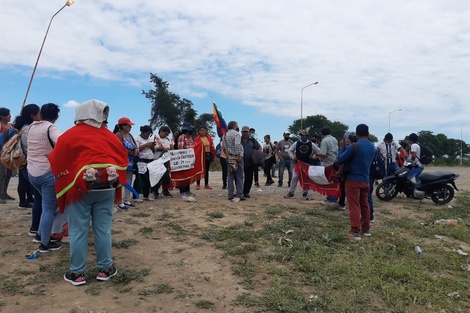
<point x="146" y="146"/>
<point x="163" y="144"/>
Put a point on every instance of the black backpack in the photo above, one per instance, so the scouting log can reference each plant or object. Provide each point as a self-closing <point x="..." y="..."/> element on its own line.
<point x="426" y="155"/>
<point x="377" y="168"/>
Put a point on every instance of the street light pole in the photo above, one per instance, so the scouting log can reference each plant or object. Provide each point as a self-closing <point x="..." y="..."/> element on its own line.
<point x="461" y="143"/>
<point x="67" y="4"/>
<point x="302" y="102"/>
<point x="390" y="113"/>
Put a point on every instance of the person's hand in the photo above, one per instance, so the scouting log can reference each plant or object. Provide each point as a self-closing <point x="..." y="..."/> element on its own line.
<point x="239" y="159"/>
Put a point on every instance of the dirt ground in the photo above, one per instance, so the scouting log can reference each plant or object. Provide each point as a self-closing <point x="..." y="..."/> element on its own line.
<point x="174" y="254"/>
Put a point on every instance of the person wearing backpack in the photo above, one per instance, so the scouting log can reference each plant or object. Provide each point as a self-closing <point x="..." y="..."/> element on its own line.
<point x="5" y="173"/>
<point x="415" y="153"/>
<point x="389" y="148"/>
<point x="42" y="135"/>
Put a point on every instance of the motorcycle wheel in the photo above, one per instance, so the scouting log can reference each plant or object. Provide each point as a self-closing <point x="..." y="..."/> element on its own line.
<point x="443" y="195"/>
<point x="386" y="191"/>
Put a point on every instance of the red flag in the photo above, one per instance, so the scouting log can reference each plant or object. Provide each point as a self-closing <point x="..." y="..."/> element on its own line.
<point x="187" y="177"/>
<point x="332" y="189"/>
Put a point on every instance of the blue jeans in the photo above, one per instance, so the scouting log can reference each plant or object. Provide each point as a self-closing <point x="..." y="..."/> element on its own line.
<point x="283" y="164"/>
<point x="44" y="184"/>
<point x="97" y="204"/>
<point x="391" y="168"/>
<point x="238" y="178"/>
<point x="415" y="172"/>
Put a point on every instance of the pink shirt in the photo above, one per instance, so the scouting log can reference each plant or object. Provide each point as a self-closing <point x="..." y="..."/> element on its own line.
<point x="39" y="147"/>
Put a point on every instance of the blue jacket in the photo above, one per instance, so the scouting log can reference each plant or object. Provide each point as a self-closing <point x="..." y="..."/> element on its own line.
<point x="360" y="162"/>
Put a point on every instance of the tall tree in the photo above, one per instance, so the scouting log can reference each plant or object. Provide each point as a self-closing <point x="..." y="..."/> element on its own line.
<point x="169" y="109"/>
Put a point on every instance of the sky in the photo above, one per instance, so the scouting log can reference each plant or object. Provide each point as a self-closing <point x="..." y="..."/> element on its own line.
<point x="401" y="65"/>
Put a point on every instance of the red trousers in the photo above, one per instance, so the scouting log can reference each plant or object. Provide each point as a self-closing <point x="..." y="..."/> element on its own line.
<point x="358" y="204"/>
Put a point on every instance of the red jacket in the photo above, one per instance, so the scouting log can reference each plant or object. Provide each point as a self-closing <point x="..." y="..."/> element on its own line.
<point x="211" y="143"/>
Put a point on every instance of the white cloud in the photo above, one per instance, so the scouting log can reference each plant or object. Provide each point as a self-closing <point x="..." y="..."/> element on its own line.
<point x="71" y="104"/>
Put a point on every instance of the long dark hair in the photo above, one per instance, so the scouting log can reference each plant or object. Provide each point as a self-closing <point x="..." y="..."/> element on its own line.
<point x="25" y="117"/>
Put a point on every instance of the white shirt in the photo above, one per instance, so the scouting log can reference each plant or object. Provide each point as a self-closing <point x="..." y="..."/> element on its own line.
<point x="416" y="148"/>
<point x="147" y="153"/>
<point x="389" y="151"/>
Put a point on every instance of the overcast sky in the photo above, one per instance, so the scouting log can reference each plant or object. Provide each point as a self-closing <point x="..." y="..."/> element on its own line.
<point x="252" y="57"/>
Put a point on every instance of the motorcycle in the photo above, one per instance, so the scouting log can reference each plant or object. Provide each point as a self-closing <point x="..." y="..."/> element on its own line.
<point x="439" y="186"/>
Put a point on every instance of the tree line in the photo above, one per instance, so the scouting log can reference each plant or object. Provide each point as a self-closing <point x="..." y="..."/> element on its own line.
<point x="168" y="108"/>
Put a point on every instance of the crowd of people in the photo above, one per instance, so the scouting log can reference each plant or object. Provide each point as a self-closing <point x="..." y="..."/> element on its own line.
<point x="110" y="169"/>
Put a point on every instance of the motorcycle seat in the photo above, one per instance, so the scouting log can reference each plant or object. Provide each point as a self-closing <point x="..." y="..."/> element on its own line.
<point x="433" y="176"/>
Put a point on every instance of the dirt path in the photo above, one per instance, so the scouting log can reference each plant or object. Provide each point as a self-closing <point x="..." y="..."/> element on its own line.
<point x="171" y="268"/>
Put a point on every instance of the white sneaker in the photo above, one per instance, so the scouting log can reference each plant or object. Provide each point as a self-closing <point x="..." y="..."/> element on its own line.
<point x="138" y="200"/>
<point x="235" y="199"/>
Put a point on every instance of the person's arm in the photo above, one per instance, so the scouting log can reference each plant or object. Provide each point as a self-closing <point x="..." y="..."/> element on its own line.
<point x="346" y="155"/>
<point x="291" y="152"/>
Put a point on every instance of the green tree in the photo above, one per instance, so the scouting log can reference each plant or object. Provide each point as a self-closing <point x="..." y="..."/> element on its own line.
<point x="313" y="125"/>
<point x="169" y="109"/>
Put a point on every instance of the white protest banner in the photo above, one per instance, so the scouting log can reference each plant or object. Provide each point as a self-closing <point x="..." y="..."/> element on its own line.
<point x="181" y="160"/>
<point x="156" y="171"/>
<point x="165" y="157"/>
<point x="317" y="174"/>
<point x="142" y="167"/>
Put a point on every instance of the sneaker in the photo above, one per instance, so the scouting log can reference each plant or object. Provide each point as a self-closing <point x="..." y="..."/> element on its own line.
<point x="246" y="195"/>
<point x="268" y="183"/>
<point x="289" y="196"/>
<point x="242" y="198"/>
<point x="129" y="204"/>
<point x="122" y="206"/>
<point x="190" y="194"/>
<point x="257" y="184"/>
<point x="198" y="187"/>
<point x="105" y="275"/>
<point x="207" y="187"/>
<point x="25" y="206"/>
<point x="340" y="206"/>
<point x="37" y="238"/>
<point x="32" y="233"/>
<point x="328" y="202"/>
<point x="353" y="235"/>
<point x="305" y="195"/>
<point x="372" y="220"/>
<point x="138" y="200"/>
<point x="155" y="195"/>
<point x="235" y="199"/>
<point x="75" y="279"/>
<point x="167" y="194"/>
<point x="51" y="246"/>
<point x="148" y="199"/>
<point x="366" y="233"/>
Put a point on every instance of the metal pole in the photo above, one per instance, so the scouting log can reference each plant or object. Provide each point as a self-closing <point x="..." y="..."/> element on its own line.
<point x="67" y="4"/>
<point x="389" y="114"/>
<point x="302" y="102"/>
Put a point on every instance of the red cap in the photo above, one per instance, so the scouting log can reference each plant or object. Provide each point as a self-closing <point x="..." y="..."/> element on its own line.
<point x="125" y="120"/>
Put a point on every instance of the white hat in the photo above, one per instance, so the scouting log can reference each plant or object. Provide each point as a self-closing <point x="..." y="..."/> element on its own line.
<point x="287" y="132"/>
